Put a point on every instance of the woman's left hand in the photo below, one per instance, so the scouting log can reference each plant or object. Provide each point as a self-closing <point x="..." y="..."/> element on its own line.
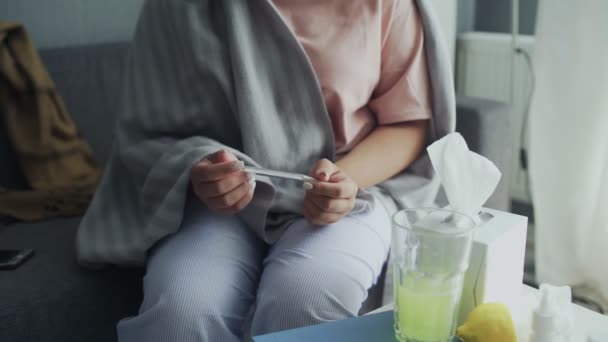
<point x="331" y="197"/>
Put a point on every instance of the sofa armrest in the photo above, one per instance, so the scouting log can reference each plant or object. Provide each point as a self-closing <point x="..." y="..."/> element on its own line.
<point x="486" y="126"/>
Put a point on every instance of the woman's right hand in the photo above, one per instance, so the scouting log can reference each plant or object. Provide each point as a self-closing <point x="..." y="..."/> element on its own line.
<point x="222" y="184"/>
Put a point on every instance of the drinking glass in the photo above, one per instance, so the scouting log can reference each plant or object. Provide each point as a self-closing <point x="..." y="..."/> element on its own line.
<point x="430" y="249"/>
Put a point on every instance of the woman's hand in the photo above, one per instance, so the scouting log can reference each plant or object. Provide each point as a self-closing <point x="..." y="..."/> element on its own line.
<point x="331" y="197"/>
<point x="221" y="183"/>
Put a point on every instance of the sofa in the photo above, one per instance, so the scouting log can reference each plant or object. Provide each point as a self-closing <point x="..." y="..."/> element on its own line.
<point x="51" y="298"/>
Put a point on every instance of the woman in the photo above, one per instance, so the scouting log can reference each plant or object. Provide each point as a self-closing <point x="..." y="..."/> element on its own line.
<point x="204" y="276"/>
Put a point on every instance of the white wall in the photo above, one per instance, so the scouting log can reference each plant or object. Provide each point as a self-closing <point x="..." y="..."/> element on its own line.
<point x="53" y="23"/>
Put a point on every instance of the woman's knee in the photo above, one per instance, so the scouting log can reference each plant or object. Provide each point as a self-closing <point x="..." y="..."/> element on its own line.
<point x="190" y="300"/>
<point x="207" y="292"/>
<point x="174" y="310"/>
<point x="307" y="297"/>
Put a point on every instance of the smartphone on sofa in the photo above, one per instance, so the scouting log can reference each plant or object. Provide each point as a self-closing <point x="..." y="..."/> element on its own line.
<point x="13" y="258"/>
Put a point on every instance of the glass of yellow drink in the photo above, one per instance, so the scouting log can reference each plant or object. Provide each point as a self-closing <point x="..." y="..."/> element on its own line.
<point x="430" y="255"/>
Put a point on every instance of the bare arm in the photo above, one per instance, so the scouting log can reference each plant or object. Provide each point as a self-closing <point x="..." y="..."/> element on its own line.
<point x="387" y="151"/>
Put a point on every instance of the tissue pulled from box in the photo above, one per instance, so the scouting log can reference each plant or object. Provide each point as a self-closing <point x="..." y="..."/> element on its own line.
<point x="468" y="178"/>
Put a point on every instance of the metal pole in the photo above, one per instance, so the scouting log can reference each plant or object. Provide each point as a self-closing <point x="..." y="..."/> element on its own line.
<point x="514" y="46"/>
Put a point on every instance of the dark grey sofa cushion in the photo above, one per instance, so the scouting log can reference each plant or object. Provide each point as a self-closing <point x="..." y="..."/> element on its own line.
<point x="486" y="126"/>
<point x="90" y="79"/>
<point x="51" y="298"/>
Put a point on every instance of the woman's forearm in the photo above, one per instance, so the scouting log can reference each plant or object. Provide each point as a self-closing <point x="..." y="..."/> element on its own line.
<point x="385" y="152"/>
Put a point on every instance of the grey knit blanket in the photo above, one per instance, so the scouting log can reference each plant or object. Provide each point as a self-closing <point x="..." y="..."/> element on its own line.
<point x="205" y="75"/>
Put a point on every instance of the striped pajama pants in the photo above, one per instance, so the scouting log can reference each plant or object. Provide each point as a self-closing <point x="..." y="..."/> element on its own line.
<point x="202" y="281"/>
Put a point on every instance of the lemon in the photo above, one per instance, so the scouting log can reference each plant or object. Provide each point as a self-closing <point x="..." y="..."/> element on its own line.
<point x="489" y="322"/>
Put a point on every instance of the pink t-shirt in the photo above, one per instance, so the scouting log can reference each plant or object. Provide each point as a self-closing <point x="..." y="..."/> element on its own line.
<point x="369" y="58"/>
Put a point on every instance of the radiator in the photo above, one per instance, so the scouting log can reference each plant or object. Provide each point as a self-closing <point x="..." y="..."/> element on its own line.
<point x="483" y="69"/>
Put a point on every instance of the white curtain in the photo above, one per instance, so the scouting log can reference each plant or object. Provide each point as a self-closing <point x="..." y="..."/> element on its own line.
<point x="569" y="143"/>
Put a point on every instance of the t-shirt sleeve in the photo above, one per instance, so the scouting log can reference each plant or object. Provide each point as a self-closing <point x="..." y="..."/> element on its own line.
<point x="402" y="92"/>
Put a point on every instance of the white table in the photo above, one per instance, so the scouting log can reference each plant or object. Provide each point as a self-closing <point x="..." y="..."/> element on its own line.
<point x="593" y="324"/>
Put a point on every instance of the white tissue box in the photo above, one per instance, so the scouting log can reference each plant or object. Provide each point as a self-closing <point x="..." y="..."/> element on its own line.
<point x="496" y="267"/>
